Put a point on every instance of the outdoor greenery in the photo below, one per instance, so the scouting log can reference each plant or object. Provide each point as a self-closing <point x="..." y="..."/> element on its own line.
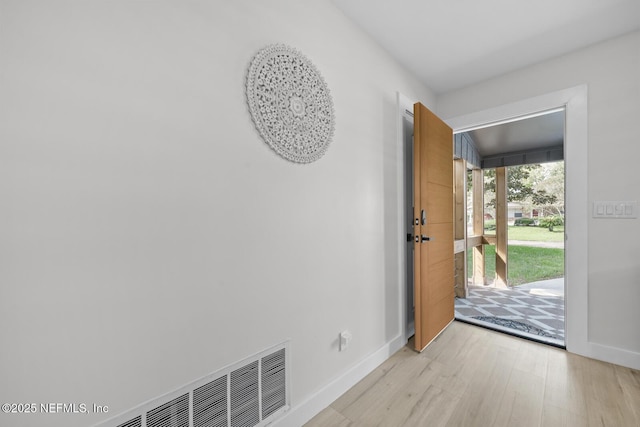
<point x="536" y="193"/>
<point x="490" y="225"/>
<point x="526" y="264"/>
<point x="551" y="221"/>
<point x="535" y="187"/>
<point x="538" y="186"/>
<point x="524" y="222"/>
<point x="536" y="234"/>
<point x="519" y="185"/>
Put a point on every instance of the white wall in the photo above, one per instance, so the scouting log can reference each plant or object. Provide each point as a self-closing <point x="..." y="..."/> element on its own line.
<point x="149" y="237"/>
<point x="610" y="70"/>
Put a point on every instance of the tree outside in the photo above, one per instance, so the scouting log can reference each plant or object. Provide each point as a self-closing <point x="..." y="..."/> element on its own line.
<point x="537" y="188"/>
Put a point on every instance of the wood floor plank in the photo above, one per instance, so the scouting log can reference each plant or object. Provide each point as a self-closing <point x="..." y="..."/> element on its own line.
<point x="329" y="417"/>
<point x="376" y="401"/>
<point x="479" y="404"/>
<point x="447" y="377"/>
<point x="629" y="380"/>
<point x="472" y="377"/>
<point x="363" y="387"/>
<point x="533" y="358"/>
<point x="559" y="417"/>
<point x="564" y="382"/>
<point x="606" y="403"/>
<point x="434" y="408"/>
<point x="407" y="405"/>
<point x="451" y="344"/>
<point x="522" y="402"/>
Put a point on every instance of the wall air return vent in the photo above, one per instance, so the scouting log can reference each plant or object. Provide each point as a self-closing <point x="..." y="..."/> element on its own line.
<point x="210" y="404"/>
<point x="245" y="398"/>
<point x="136" y="422"/>
<point x="172" y="414"/>
<point x="274" y="387"/>
<point x="252" y="392"/>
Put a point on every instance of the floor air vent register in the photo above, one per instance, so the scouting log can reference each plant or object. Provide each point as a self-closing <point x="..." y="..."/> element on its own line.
<point x="253" y="392"/>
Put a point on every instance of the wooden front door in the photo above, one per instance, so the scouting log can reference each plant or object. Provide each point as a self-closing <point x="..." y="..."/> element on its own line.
<point x="433" y="225"/>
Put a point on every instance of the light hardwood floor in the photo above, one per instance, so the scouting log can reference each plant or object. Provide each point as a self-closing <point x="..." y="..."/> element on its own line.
<point x="471" y="376"/>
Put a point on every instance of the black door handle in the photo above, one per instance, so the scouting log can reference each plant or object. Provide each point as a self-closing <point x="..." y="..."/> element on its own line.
<point x="424" y="238"/>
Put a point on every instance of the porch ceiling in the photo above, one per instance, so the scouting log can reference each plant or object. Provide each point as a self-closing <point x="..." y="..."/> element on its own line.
<point x="520" y="136"/>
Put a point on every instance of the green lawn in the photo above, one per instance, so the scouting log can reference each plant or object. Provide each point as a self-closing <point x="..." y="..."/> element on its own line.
<point x="538" y="234"/>
<point x="526" y="264"/>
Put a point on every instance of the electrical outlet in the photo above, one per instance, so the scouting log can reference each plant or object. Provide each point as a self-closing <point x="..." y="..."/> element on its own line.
<point x="345" y="339"/>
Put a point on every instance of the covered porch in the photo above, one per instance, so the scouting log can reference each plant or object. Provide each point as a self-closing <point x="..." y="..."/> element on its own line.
<point x="533" y="310"/>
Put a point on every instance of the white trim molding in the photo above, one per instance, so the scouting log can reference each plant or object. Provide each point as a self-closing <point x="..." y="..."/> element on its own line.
<point x="574" y="100"/>
<point x="405" y="109"/>
<point x="303" y="412"/>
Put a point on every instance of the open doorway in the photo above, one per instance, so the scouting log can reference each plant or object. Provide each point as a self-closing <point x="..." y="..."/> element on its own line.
<point x="512" y="256"/>
<point x="530" y="302"/>
<point x="574" y="100"/>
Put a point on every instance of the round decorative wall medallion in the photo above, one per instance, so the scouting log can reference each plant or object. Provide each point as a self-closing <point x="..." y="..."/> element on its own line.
<point x="290" y="103"/>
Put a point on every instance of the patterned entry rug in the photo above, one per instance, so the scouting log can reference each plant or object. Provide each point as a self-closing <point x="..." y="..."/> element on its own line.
<point x="515" y="324"/>
<point x="533" y="314"/>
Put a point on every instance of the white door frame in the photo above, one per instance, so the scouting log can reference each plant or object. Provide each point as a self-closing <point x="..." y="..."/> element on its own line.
<point x="404" y="105"/>
<point x="576" y="196"/>
<point x="576" y="199"/>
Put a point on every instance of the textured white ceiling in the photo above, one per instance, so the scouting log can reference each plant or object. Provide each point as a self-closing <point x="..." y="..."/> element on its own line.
<point x="450" y="44"/>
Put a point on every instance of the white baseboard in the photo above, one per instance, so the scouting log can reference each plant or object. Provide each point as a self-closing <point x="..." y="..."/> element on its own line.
<point x="613" y="355"/>
<point x="299" y="414"/>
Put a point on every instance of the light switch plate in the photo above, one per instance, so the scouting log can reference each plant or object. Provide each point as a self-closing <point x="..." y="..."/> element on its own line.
<point x="615" y="209"/>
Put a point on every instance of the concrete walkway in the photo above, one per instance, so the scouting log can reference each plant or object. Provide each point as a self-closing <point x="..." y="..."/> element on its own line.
<point x="551" y="287"/>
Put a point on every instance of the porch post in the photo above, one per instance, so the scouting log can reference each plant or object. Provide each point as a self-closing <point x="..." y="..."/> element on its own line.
<point x="501" y="226"/>
<point x="460" y="227"/>
<point x="477" y="179"/>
